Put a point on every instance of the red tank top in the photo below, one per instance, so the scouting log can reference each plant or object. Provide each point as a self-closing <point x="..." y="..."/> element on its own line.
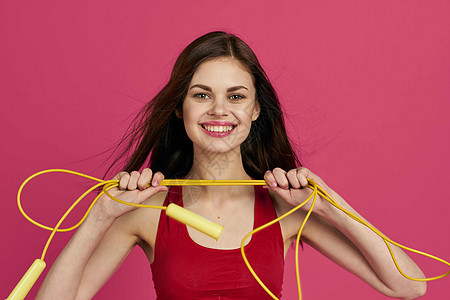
<point x="183" y="269"/>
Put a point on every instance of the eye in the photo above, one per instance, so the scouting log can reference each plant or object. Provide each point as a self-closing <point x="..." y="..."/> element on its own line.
<point x="236" y="97"/>
<point x="201" y="96"/>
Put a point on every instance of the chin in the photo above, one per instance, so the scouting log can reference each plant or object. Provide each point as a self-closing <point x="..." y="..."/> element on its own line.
<point x="219" y="147"/>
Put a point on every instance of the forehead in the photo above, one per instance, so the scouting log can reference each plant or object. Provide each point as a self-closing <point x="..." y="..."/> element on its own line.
<point x="222" y="72"/>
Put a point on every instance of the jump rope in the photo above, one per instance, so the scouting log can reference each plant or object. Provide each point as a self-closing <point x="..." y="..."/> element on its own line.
<point x="189" y="218"/>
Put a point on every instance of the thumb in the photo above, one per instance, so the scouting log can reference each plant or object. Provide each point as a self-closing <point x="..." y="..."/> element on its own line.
<point x="150" y="191"/>
<point x="283" y="193"/>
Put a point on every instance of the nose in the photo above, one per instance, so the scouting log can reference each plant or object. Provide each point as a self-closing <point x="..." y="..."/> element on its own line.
<point x="218" y="108"/>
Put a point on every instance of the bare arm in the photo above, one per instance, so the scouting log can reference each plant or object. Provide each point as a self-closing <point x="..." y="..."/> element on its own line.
<point x="64" y="277"/>
<point x="362" y="252"/>
<point x="345" y="241"/>
<point x="101" y="243"/>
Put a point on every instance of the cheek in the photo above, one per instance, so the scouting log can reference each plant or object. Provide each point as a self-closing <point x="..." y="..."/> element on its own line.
<point x="188" y="114"/>
<point x="190" y="121"/>
<point x="246" y="116"/>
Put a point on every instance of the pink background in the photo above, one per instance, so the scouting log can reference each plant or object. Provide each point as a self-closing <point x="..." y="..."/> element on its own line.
<point x="364" y="84"/>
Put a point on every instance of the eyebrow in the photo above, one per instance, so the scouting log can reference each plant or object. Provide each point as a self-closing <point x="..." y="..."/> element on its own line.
<point x="207" y="88"/>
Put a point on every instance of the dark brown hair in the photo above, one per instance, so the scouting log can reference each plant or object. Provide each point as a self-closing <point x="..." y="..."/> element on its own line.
<point x="157" y="138"/>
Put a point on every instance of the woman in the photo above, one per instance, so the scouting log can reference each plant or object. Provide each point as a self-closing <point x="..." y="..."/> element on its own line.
<point x="218" y="117"/>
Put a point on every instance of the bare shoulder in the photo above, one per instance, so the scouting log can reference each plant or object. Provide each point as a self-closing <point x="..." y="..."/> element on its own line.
<point x="143" y="222"/>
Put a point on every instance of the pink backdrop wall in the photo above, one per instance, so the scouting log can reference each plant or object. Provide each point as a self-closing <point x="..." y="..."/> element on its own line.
<point x="364" y="84"/>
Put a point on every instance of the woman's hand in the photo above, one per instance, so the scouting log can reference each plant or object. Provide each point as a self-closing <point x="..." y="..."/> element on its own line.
<point x="132" y="188"/>
<point x="292" y="186"/>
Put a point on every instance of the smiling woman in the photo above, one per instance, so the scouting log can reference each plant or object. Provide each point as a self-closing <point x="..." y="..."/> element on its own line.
<point x="218" y="117"/>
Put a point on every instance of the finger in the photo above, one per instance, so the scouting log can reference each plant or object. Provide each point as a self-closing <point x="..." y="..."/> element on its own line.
<point x="307" y="174"/>
<point x="124" y="177"/>
<point x="270" y="179"/>
<point x="302" y="175"/>
<point x="144" y="179"/>
<point x="280" y="177"/>
<point x="119" y="175"/>
<point x="283" y="193"/>
<point x="157" y="178"/>
<point x="293" y="179"/>
<point x="132" y="183"/>
<point x="149" y="192"/>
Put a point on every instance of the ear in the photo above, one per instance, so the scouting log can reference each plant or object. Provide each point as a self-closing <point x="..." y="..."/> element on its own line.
<point x="178" y="113"/>
<point x="256" y="111"/>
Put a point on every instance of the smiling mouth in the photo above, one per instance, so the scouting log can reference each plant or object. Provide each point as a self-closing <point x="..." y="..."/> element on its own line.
<point x="212" y="128"/>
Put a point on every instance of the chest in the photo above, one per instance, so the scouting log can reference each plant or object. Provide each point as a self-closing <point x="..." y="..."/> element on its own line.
<point x="237" y="220"/>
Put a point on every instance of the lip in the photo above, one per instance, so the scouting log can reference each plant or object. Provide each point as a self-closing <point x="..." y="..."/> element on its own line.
<point x="218" y="123"/>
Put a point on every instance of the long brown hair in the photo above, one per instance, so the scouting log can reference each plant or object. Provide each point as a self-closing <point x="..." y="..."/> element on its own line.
<point x="157" y="138"/>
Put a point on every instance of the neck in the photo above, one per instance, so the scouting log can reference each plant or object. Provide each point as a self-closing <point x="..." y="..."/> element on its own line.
<point x="217" y="166"/>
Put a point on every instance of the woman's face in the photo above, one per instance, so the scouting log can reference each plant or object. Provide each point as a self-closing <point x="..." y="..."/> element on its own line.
<point x="220" y="105"/>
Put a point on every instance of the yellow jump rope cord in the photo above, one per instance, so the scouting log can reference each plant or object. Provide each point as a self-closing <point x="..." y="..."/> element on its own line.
<point x="316" y="190"/>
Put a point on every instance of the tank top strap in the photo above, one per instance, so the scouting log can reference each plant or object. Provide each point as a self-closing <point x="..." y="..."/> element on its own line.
<point x="264" y="207"/>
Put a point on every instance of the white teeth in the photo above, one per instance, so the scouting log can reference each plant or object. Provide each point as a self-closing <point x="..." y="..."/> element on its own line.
<point x="217" y="128"/>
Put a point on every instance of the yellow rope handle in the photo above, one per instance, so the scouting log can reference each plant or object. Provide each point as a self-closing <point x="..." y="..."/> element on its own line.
<point x="316" y="190"/>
